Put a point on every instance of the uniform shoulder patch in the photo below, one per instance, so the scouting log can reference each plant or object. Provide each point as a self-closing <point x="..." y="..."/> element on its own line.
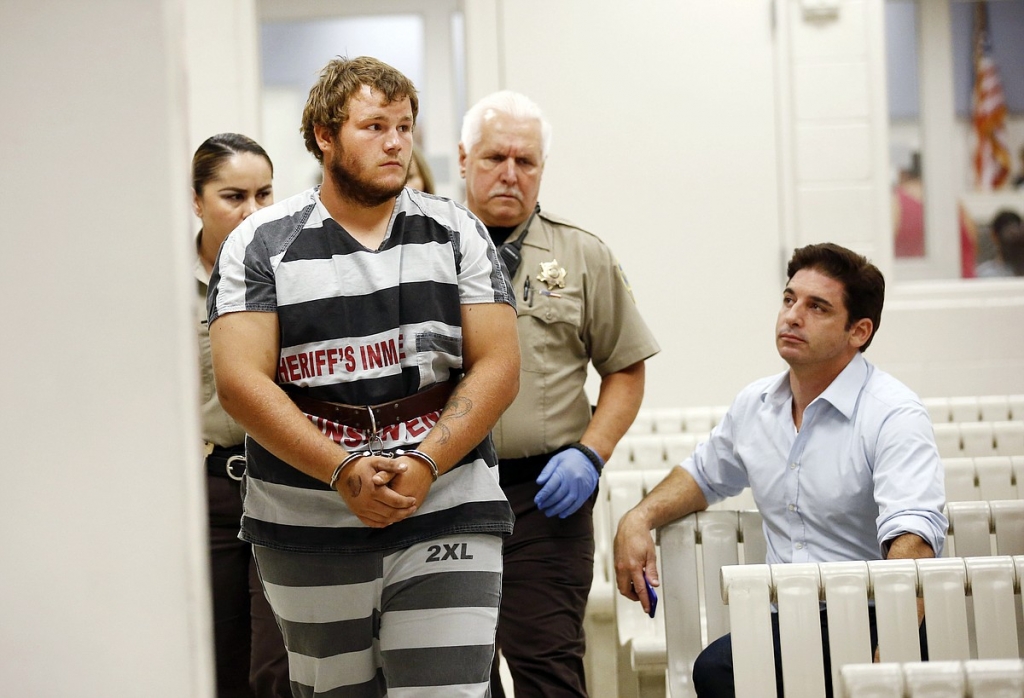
<point x="625" y="282"/>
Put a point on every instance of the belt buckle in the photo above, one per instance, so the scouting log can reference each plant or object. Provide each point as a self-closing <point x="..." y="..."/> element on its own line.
<point x="229" y="469"/>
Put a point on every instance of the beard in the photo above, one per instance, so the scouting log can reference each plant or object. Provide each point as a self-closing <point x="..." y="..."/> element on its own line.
<point x="350" y="184"/>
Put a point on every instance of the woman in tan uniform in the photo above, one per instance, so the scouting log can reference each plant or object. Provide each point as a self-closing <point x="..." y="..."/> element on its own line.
<point x="231" y="178"/>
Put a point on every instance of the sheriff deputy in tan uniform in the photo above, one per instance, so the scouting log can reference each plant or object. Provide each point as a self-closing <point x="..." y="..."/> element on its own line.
<point x="575" y="307"/>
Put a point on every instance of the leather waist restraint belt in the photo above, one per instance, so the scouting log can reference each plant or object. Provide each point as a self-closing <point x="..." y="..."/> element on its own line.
<point x="373" y="417"/>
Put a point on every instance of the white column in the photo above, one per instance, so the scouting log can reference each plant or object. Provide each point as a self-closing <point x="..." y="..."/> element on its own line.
<point x="103" y="564"/>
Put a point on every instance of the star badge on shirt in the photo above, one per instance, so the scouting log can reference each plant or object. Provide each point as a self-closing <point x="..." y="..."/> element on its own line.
<point x="552" y="274"/>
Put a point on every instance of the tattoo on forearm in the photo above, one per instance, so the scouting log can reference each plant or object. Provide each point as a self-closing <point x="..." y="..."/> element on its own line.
<point x="355" y="485"/>
<point x="443" y="432"/>
<point x="458" y="406"/>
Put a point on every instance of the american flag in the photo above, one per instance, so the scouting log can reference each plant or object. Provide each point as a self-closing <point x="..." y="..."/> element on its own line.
<point x="991" y="156"/>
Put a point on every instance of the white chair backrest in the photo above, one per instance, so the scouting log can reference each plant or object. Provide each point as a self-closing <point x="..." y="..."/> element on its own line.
<point x="983" y="478"/>
<point x="679" y="447"/>
<point x="1009" y="437"/>
<point x="986" y="528"/>
<point x="994" y="408"/>
<point x="938" y="409"/>
<point x="669" y="421"/>
<point x="964" y="409"/>
<point x="947" y="438"/>
<point x="977" y="678"/>
<point x="981" y="408"/>
<point x="646" y="450"/>
<point x="945" y="584"/>
<point x="960" y="479"/>
<point x="693" y="551"/>
<point x="1016" y="406"/>
<point x="977" y="438"/>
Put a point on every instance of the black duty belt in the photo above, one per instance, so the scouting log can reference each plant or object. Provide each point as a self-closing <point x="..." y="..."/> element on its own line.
<point x="226" y="462"/>
<point x="515" y="471"/>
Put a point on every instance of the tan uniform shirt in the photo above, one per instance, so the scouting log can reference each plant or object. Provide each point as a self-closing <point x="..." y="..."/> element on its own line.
<point x="593" y="319"/>
<point x="218" y="427"/>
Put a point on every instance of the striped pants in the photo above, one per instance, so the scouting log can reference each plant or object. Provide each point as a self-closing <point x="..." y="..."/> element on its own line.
<point x="416" y="622"/>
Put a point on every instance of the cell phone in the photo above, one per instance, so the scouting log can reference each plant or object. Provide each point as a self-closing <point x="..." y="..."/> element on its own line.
<point x="652" y="596"/>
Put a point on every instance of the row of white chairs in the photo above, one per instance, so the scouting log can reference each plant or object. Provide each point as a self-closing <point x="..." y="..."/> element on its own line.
<point x="972" y="609"/>
<point x="677" y="420"/>
<point x="973" y="678"/>
<point x="692" y="552"/>
<point x="645" y="451"/>
<point x="983" y="478"/>
<point x="973" y="439"/>
<point x="695" y="550"/>
<point x="954" y="440"/>
<point x="701" y="420"/>
<point x="984" y="408"/>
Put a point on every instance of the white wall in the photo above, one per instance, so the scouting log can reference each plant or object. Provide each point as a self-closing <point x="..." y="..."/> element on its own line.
<point x="664" y="146"/>
<point x="703" y="141"/>
<point x="103" y="572"/>
<point x="366" y="27"/>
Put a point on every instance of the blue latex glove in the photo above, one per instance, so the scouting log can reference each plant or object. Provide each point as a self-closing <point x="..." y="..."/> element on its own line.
<point x="566" y="482"/>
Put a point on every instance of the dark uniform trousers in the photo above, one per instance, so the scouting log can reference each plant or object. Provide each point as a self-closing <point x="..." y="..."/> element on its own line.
<point x="548" y="570"/>
<point x="251" y="659"/>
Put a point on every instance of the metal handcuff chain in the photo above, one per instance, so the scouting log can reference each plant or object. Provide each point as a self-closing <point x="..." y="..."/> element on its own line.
<point x="375" y="447"/>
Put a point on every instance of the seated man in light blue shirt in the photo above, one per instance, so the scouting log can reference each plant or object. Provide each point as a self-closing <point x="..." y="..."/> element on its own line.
<point x="839" y="456"/>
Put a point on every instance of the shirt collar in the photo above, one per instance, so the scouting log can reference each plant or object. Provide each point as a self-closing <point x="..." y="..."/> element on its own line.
<point x="842" y="393"/>
<point x="778" y="390"/>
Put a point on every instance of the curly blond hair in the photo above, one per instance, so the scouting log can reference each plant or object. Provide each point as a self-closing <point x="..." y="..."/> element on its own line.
<point x="339" y="80"/>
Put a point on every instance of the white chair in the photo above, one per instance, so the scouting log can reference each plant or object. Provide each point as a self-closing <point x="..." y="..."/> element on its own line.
<point x="639" y="640"/>
<point x="1009" y="437"/>
<point x="679" y="447"/>
<point x="994" y="408"/>
<point x="670" y="421"/>
<point x="986" y="528"/>
<point x="693" y="551"/>
<point x="961" y="481"/>
<point x="947" y="438"/>
<point x="938" y="409"/>
<point x="1016" y="403"/>
<point x="964" y="409"/>
<point x="978" y="678"/>
<point x="599" y="619"/>
<point x="646" y="450"/>
<point x="977" y="438"/>
<point x="945" y="585"/>
<point x="995" y="478"/>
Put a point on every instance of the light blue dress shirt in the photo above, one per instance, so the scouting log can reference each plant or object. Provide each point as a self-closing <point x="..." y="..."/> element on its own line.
<point x="863" y="470"/>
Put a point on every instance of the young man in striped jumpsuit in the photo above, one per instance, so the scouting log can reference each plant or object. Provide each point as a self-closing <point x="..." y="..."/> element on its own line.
<point x="364" y="336"/>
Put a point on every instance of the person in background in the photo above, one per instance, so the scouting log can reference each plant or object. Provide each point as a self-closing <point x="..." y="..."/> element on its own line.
<point x="420" y="176"/>
<point x="575" y="309"/>
<point x="908" y="220"/>
<point x="231" y="178"/>
<point x="364" y="336"/>
<point x="840" y="457"/>
<point x="1018" y="181"/>
<point x="1008" y="237"/>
